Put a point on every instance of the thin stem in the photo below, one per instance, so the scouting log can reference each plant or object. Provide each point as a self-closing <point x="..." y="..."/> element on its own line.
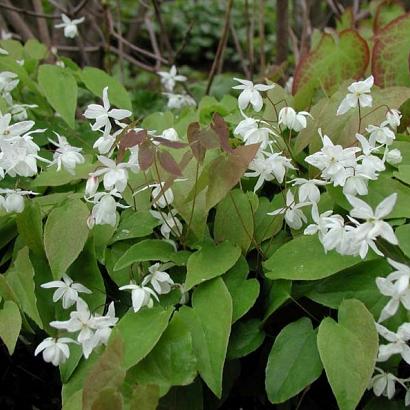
<point x="193" y="201"/>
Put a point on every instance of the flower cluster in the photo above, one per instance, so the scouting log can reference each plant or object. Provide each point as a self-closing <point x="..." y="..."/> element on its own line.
<point x="169" y="80"/>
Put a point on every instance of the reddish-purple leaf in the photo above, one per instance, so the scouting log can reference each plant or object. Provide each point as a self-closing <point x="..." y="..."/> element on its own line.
<point x="222" y="131"/>
<point x="193" y="138"/>
<point x="130" y="139"/>
<point x="146" y="155"/>
<point x="168" y="143"/>
<point x="169" y="164"/>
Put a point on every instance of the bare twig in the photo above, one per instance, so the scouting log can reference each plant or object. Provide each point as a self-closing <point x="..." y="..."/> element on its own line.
<point x="120" y="40"/>
<point x="79" y="7"/>
<point x="164" y="34"/>
<point x="262" y="36"/>
<point x="43" y="32"/>
<point x="8" y="6"/>
<point x="239" y="50"/>
<point x="249" y="37"/>
<point x="154" y="43"/>
<point x="221" y="46"/>
<point x="134" y="61"/>
<point x="282" y="31"/>
<point x="16" y="21"/>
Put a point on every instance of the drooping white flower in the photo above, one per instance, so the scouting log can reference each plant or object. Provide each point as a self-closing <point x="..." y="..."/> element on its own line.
<point x="69" y="26"/>
<point x="162" y="197"/>
<point x="66" y="156"/>
<point x="91" y="186"/>
<point x="382" y="134"/>
<point x="293" y="120"/>
<point x="169" y="79"/>
<point x="169" y="223"/>
<point x="102" y="114"/>
<point x="294" y="216"/>
<point x="359" y="95"/>
<point x="178" y="101"/>
<point x="250" y="94"/>
<point x="252" y="131"/>
<point x="55" y="351"/>
<point x="158" y="279"/>
<point x="335" y="162"/>
<point x="393" y="156"/>
<point x="104" y="211"/>
<point x="19" y="111"/>
<point x="308" y="189"/>
<point x="140" y="295"/>
<point x="398" y="342"/>
<point x="81" y="320"/>
<point x="393" y="118"/>
<point x="374" y="225"/>
<point x="370" y="165"/>
<point x="115" y="175"/>
<point x="8" y="82"/>
<point x="67" y="290"/>
<point x="13" y="199"/>
<point x="8" y="130"/>
<point x="383" y="383"/>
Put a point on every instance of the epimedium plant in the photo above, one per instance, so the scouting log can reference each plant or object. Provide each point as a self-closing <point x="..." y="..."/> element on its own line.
<point x="152" y="254"/>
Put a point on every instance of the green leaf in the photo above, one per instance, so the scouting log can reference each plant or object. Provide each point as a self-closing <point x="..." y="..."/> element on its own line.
<point x="304" y="258"/>
<point x="348" y="351"/>
<point x="96" y="80"/>
<point x="234" y="220"/>
<point x="210" y="261"/>
<point x="243" y="291"/>
<point x="390" y="64"/>
<point x="60" y="89"/>
<point x="135" y="225"/>
<point x="403" y="235"/>
<point x="34" y="49"/>
<point x="337" y="57"/>
<point x="279" y="293"/>
<point x="403" y="174"/>
<point x="210" y="323"/>
<point x="172" y="361"/>
<point x="141" y="332"/>
<point x="65" y="234"/>
<point x="293" y="362"/>
<point x="30" y="227"/>
<point x="10" y="325"/>
<point x="20" y="278"/>
<point x="267" y="226"/>
<point x="149" y="250"/>
<point x="245" y="338"/>
<point x="52" y="177"/>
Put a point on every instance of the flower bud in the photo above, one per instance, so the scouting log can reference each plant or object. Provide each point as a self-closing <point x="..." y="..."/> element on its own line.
<point x="14" y="203"/>
<point x="91" y="186"/>
<point x="394" y="157"/>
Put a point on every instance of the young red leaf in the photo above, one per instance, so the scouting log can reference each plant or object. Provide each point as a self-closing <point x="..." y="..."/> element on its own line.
<point x="129" y="140"/>
<point x="193" y="138"/>
<point x="146" y="155"/>
<point x="222" y="131"/>
<point x="169" y="164"/>
<point x="168" y="143"/>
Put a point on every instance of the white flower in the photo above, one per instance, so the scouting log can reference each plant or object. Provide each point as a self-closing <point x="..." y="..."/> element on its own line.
<point x="140" y="295"/>
<point x="162" y="198"/>
<point x="102" y="114"/>
<point x="393" y="156"/>
<point x="398" y="342"/>
<point x="159" y="280"/>
<point x="55" y="351"/>
<point x="289" y="85"/>
<point x="104" y="209"/>
<point x="80" y="320"/>
<point x="66" y="156"/>
<point x="8" y="82"/>
<point x="169" y="79"/>
<point x="359" y="95"/>
<point x="169" y="223"/>
<point x="383" y="135"/>
<point x="294" y="217"/>
<point x="5" y="35"/>
<point x="250" y="94"/>
<point x="335" y="162"/>
<point x="67" y="290"/>
<point x="19" y="111"/>
<point x="177" y="101"/>
<point x="393" y="118"/>
<point x="70" y="26"/>
<point x="293" y="120"/>
<point x="397" y="291"/>
<point x="8" y="131"/>
<point x="115" y="175"/>
<point x="13" y="200"/>
<point x="308" y="189"/>
<point x="370" y="164"/>
<point x="269" y="168"/>
<point x="383" y="384"/>
<point x="252" y="133"/>
<point x="91" y="186"/>
<point x="104" y="143"/>
<point x="374" y="226"/>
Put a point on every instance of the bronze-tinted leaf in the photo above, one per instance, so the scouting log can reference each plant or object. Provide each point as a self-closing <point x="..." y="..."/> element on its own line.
<point x="193" y="139"/>
<point x="222" y="131"/>
<point x="168" y="143"/>
<point x="131" y="139"/>
<point x="146" y="155"/>
<point x="169" y="164"/>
